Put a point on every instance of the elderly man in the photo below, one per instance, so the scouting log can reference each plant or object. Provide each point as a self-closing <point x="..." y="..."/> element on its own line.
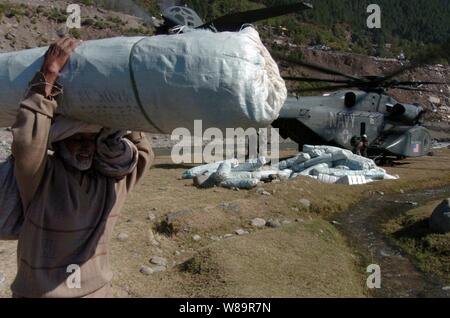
<point x="71" y="199"/>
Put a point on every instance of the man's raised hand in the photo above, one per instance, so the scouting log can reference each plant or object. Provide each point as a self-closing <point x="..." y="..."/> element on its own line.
<point x="56" y="58"/>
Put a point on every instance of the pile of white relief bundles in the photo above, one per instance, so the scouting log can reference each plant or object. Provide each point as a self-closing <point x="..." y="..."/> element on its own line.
<point x="159" y="83"/>
<point x="325" y="164"/>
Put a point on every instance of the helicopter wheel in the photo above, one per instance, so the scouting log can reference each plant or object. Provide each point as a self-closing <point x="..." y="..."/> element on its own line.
<point x="384" y="162"/>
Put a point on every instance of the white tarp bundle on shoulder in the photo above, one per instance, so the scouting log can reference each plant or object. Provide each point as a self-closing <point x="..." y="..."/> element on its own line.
<point x="159" y="83"/>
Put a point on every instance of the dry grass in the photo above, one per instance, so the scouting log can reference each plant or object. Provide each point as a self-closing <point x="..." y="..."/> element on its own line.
<point x="295" y="248"/>
<point x="411" y="233"/>
<point x="308" y="258"/>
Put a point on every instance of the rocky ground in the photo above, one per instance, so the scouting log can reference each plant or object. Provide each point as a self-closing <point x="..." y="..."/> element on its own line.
<point x="436" y="104"/>
<point x="5" y="144"/>
<point x="27" y="24"/>
<point x="280" y="240"/>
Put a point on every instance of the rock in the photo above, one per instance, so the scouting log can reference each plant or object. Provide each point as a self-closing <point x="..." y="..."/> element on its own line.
<point x="61" y="32"/>
<point x="385" y="253"/>
<point x="273" y="223"/>
<point x="152" y="270"/>
<point x="440" y="219"/>
<point x="228" y="235"/>
<point x="158" y="269"/>
<point x="146" y="270"/>
<point x="156" y="260"/>
<point x="434" y="100"/>
<point x="2" y="278"/>
<point x="10" y="36"/>
<point x="241" y="232"/>
<point x="300" y="220"/>
<point x="295" y="209"/>
<point x="446" y="288"/>
<point x="230" y="207"/>
<point x="122" y="237"/>
<point x="305" y="203"/>
<point x="151" y="216"/>
<point x="335" y="223"/>
<point x="177" y="253"/>
<point x="258" y="222"/>
<point x="286" y="222"/>
<point x="152" y="238"/>
<point x="178" y="214"/>
<point x="380" y="193"/>
<point x="196" y="238"/>
<point x="260" y="190"/>
<point x="214" y="238"/>
<point x="402" y="191"/>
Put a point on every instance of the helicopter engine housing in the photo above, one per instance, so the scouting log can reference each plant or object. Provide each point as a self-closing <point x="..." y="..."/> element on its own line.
<point x="406" y="113"/>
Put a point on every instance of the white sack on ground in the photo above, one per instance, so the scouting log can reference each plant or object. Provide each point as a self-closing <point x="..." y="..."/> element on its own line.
<point x="325" y="164"/>
<point x="159" y="83"/>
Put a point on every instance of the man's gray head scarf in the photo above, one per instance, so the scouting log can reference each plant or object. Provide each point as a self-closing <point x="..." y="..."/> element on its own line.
<point x="116" y="156"/>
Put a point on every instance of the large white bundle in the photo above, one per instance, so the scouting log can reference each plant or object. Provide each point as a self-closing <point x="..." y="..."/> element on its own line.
<point x="160" y="83"/>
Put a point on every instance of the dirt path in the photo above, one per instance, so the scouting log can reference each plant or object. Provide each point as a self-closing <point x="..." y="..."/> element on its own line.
<point x="362" y="224"/>
<point x="305" y="246"/>
<point x="8" y="267"/>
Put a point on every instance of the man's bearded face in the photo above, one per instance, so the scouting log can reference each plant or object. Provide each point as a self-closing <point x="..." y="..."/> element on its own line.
<point x="78" y="151"/>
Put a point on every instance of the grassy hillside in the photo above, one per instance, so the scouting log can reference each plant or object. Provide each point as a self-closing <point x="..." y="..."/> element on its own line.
<point x="407" y="26"/>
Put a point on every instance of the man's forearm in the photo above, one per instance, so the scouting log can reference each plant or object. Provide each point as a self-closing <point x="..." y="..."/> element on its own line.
<point x="145" y="160"/>
<point x="30" y="142"/>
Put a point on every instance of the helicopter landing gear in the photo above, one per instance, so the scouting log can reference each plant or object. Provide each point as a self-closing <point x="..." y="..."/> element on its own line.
<point x="384" y="161"/>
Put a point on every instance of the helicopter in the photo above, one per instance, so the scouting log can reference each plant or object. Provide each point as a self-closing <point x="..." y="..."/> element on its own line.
<point x="177" y="17"/>
<point x="358" y="106"/>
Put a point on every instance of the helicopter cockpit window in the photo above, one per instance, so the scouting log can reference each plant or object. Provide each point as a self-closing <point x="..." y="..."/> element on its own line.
<point x="350" y="99"/>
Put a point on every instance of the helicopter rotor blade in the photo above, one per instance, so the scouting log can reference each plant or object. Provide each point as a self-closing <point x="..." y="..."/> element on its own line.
<point x="164" y="4"/>
<point x="414" y="83"/>
<point x="324" y="88"/>
<point x="398" y="72"/>
<point x="316" y="67"/>
<point x="413" y="89"/>
<point x="234" y="21"/>
<point x="313" y="79"/>
<point x="443" y="51"/>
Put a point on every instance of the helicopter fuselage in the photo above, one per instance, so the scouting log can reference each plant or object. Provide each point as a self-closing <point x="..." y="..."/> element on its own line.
<point x="340" y="118"/>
